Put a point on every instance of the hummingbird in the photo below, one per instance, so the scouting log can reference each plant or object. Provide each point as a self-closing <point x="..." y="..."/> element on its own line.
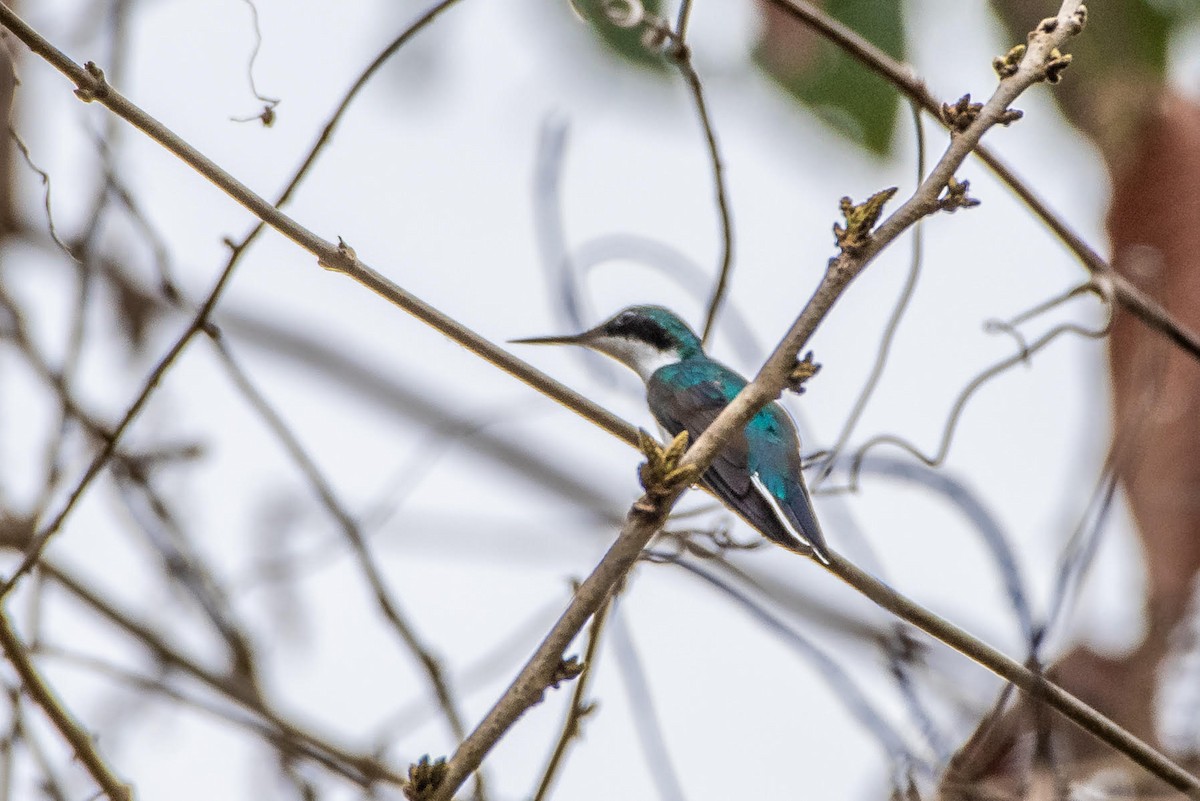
<point x="757" y="474"/>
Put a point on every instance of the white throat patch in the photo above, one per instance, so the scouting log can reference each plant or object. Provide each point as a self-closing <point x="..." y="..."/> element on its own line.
<point x="644" y="359"/>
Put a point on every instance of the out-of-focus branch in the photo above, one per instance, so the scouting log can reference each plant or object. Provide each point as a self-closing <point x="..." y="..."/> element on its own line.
<point x="890" y="328"/>
<point x="1139" y="303"/>
<point x="9" y="224"/>
<point x="680" y="54"/>
<point x="655" y="753"/>
<point x="91" y="86"/>
<point x="650" y="513"/>
<point x="388" y="604"/>
<point x="579" y="707"/>
<point x="288" y="737"/>
<point x="79" y="740"/>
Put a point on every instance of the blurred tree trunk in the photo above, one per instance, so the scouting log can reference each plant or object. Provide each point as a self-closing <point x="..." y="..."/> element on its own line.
<point x="1150" y="139"/>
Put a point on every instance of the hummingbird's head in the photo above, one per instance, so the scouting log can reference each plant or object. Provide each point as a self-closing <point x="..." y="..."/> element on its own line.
<point x="643" y="338"/>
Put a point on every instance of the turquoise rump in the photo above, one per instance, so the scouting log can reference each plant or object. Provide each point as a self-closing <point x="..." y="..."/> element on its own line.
<point x="757" y="474"/>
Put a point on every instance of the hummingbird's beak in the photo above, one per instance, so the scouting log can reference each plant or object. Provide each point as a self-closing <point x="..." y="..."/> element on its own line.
<point x="577" y="339"/>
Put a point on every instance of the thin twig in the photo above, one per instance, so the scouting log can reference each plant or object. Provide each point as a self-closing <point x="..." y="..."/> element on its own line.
<point x="41" y="693"/>
<point x="182" y="563"/>
<point x="92" y="86"/>
<point x="48" y="780"/>
<point x="363" y="770"/>
<point x="679" y="53"/>
<point x="903" y="77"/>
<point x="960" y="403"/>
<point x="889" y="330"/>
<point x="649" y="515"/>
<point x="267" y="115"/>
<point x="579" y="707"/>
<point x="387" y="604"/>
<point x="1078" y="553"/>
<point x="681" y="21"/>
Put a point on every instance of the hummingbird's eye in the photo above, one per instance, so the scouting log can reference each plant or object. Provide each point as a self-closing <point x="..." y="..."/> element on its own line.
<point x="622" y="323"/>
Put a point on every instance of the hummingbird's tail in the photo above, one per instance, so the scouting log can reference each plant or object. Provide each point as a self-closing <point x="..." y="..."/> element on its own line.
<point x="795" y="524"/>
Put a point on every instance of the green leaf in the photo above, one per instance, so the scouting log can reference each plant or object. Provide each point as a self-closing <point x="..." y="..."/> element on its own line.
<point x="625" y="43"/>
<point x="1130" y="35"/>
<point x="846" y="95"/>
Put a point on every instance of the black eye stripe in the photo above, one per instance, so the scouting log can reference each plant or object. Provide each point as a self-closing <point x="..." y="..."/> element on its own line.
<point x="640" y="328"/>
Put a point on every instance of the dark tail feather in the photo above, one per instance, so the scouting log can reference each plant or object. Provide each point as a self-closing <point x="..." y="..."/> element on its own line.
<point x="792" y="523"/>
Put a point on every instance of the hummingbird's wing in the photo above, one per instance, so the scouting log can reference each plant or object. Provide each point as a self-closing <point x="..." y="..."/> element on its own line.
<point x="763" y="484"/>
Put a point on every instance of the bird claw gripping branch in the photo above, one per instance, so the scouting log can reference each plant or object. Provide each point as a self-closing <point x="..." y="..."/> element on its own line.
<point x="661" y="473"/>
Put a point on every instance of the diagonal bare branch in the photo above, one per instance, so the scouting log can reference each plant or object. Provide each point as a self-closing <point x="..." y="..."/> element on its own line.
<point x="70" y="729"/>
<point x="908" y="83"/>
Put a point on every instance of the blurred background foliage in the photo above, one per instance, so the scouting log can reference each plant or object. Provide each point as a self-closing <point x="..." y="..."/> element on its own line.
<point x="1120" y="62"/>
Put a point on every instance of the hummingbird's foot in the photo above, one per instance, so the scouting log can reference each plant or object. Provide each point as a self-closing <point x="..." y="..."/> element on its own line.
<point x="805" y="369"/>
<point x="661" y="473"/>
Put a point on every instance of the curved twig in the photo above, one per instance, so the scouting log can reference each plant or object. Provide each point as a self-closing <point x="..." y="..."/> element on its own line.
<point x="578" y="708"/>
<point x="889" y="330"/>
<point x="856" y="703"/>
<point x="388" y="605"/>
<point x="645" y="719"/>
<point x="908" y="83"/>
<point x="267" y="115"/>
<point x="681" y="56"/>
<point x="649" y="515"/>
<point x="960" y="403"/>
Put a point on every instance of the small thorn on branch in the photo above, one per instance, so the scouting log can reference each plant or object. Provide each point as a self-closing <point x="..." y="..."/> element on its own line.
<point x="344" y="259"/>
<point x="584" y="711"/>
